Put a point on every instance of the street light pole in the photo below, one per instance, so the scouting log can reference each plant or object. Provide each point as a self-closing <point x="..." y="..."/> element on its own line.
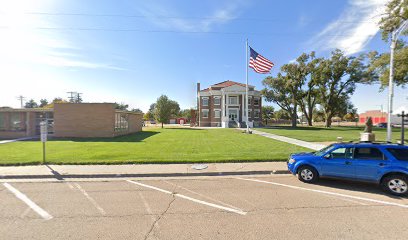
<point x="394" y="38"/>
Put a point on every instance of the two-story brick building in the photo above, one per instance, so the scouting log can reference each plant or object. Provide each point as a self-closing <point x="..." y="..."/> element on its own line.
<point x="223" y="105"/>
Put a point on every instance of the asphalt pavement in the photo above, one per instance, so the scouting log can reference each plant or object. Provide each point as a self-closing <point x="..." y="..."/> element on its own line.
<point x="203" y="207"/>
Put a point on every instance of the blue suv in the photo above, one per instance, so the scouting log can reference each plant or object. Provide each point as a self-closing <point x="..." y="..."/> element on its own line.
<point x="384" y="164"/>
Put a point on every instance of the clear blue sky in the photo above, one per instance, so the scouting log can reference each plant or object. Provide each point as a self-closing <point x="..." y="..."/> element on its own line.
<point x="134" y="51"/>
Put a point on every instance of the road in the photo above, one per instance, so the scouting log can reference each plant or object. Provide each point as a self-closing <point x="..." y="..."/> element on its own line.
<point x="246" y="207"/>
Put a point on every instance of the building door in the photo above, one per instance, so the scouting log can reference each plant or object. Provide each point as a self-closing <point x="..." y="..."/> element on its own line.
<point x="233" y="114"/>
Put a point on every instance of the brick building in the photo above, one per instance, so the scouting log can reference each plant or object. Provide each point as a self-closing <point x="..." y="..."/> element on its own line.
<point x="70" y="120"/>
<point x="376" y="115"/>
<point x="223" y="105"/>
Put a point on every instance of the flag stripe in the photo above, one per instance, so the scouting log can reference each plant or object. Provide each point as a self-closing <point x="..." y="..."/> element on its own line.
<point x="259" y="63"/>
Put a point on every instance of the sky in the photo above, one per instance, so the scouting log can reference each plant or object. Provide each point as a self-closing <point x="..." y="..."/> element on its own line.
<point x="133" y="51"/>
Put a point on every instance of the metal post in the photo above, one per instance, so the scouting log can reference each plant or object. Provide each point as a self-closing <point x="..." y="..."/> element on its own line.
<point x="246" y="90"/>
<point x="394" y="37"/>
<point x="43" y="162"/>
<point x="402" y="128"/>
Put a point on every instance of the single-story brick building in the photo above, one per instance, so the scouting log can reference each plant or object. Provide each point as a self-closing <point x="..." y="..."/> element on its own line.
<point x="70" y="120"/>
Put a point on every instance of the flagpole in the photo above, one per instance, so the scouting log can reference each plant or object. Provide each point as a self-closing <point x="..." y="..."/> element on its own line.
<point x="246" y="99"/>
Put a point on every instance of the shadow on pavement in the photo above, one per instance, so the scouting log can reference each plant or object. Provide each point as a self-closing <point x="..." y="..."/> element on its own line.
<point x="355" y="187"/>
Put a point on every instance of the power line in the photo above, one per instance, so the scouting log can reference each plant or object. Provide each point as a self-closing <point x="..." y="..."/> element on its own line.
<point x="99" y="15"/>
<point x="172" y="31"/>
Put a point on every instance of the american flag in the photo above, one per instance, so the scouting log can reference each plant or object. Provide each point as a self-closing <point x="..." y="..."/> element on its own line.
<point x="259" y="63"/>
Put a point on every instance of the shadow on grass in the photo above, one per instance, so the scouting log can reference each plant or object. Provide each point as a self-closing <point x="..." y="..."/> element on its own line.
<point x="134" y="137"/>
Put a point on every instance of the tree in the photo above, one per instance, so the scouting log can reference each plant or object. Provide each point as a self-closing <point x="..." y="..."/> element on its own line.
<point x="282" y="114"/>
<point x="267" y="113"/>
<point x="137" y="110"/>
<point x="379" y="67"/>
<point x="186" y="113"/>
<point x="396" y="13"/>
<point x="147" y="116"/>
<point x="286" y="89"/>
<point x="336" y="79"/>
<point x="164" y="108"/>
<point x="43" y="103"/>
<point x="31" y="104"/>
<point x="121" y="106"/>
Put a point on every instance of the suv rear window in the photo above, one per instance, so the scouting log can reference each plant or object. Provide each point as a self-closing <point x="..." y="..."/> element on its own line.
<point x="368" y="153"/>
<point x="399" y="153"/>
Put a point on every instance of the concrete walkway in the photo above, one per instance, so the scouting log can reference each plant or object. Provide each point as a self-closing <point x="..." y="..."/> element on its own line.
<point x="62" y="172"/>
<point x="297" y="142"/>
<point x="15" y="140"/>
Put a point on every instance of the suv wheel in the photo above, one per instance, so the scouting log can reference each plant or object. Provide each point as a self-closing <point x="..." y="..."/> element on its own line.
<point x="307" y="174"/>
<point x="395" y="184"/>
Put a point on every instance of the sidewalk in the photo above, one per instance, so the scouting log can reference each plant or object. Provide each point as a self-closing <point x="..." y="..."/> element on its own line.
<point x="62" y="172"/>
<point x="314" y="146"/>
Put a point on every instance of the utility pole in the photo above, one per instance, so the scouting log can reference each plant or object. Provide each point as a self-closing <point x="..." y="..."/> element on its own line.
<point x="78" y="98"/>
<point x="394" y="38"/>
<point x="21" y="98"/>
<point x="72" y="96"/>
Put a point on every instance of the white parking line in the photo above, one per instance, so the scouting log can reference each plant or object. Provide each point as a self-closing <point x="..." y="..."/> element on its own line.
<point x="27" y="201"/>
<point x="326" y="192"/>
<point x="96" y="205"/>
<point x="190" y="198"/>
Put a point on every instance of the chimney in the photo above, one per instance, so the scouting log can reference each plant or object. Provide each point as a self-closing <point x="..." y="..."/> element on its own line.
<point x="198" y="86"/>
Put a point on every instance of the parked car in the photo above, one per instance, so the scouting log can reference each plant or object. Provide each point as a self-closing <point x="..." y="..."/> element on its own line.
<point x="384" y="164"/>
<point x="382" y="125"/>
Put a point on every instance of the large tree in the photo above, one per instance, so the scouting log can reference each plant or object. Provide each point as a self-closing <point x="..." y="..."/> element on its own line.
<point x="31" y="104"/>
<point x="43" y="102"/>
<point x="267" y="113"/>
<point x="121" y="106"/>
<point x="336" y="79"/>
<point x="164" y="108"/>
<point x="396" y="12"/>
<point x="293" y="87"/>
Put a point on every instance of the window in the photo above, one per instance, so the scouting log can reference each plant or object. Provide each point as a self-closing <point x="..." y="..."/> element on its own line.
<point x="342" y="153"/>
<point x="205" y="101"/>
<point x="249" y="100"/>
<point x="233" y="100"/>
<point x="2" y="121"/>
<point x="256" y="113"/>
<point x="204" y="113"/>
<point x="368" y="153"/>
<point x="217" y="100"/>
<point x="17" y="121"/>
<point x="256" y="101"/>
<point x="121" y="122"/>
<point x="217" y="113"/>
<point x="399" y="153"/>
<point x="249" y="113"/>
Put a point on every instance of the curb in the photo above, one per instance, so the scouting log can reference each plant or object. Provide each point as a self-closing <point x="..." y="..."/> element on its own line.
<point x="146" y="175"/>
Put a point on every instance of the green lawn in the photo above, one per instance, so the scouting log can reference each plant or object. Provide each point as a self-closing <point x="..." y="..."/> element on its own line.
<point x="321" y="134"/>
<point x="153" y="145"/>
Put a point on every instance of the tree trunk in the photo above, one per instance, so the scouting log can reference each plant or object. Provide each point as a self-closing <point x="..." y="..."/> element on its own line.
<point x="309" y="121"/>
<point x="328" y="121"/>
<point x="162" y="125"/>
<point x="294" y="117"/>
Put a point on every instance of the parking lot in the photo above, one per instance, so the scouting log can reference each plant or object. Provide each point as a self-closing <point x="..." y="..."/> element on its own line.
<point x="245" y="207"/>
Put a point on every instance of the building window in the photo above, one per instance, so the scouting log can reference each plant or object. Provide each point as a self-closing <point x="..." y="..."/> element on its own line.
<point x="205" y="101"/>
<point x="256" y="113"/>
<point x="121" y="122"/>
<point x="217" y="113"/>
<point x="204" y="113"/>
<point x="249" y="113"/>
<point x="233" y="100"/>
<point x="256" y="101"/>
<point x="17" y="122"/>
<point x="2" y="121"/>
<point x="217" y="100"/>
<point x="249" y="100"/>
